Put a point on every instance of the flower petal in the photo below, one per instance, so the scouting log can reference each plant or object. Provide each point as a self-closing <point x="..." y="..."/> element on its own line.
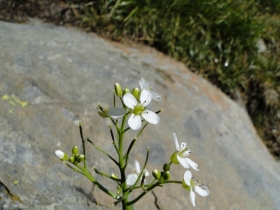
<point x="59" y="154"/>
<point x="202" y="191"/>
<point x="192" y="197"/>
<point x="176" y="141"/>
<point x="134" y="122"/>
<point x="183" y="145"/>
<point x="146" y="172"/>
<point x="137" y="166"/>
<point x="150" y="117"/>
<point x="187" y="177"/>
<point x="144" y="84"/>
<point x="186" y="153"/>
<point x="131" y="179"/>
<point x="192" y="164"/>
<point x="145" y="97"/>
<point x="183" y="162"/>
<point x="116" y="112"/>
<point x="129" y="100"/>
<point x="156" y="96"/>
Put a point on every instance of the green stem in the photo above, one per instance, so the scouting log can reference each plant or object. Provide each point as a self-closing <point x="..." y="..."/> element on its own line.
<point x="132" y="143"/>
<point x="142" y="194"/>
<point x="84" y="147"/>
<point x="142" y="171"/>
<point x="152" y="187"/>
<point x="106" y="175"/>
<point x="105" y="153"/>
<point x="95" y="182"/>
<point x="172" y="181"/>
<point x="122" y="165"/>
<point x="113" y="139"/>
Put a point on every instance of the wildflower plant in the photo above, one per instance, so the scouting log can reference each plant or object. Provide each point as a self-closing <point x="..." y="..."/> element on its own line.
<point x="135" y="113"/>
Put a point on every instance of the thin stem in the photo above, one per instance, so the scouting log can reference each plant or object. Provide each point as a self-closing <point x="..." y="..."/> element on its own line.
<point x="105" y="153"/>
<point x="133" y="142"/>
<point x="113" y="138"/>
<point x="106" y="175"/>
<point x="173" y="181"/>
<point x="142" y="194"/>
<point x="113" y="121"/>
<point x="128" y="151"/>
<point x="74" y="169"/>
<point x="95" y="182"/>
<point x="84" y="147"/>
<point x="152" y="182"/>
<point x="150" y="188"/>
<point x="157" y="112"/>
<point x="143" y="169"/>
<point x="128" y="128"/>
<point x="122" y="164"/>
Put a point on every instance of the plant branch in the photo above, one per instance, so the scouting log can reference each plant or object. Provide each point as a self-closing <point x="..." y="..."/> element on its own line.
<point x="105" y="153"/>
<point x="106" y="175"/>
<point x="142" y="171"/>
<point x="84" y="147"/>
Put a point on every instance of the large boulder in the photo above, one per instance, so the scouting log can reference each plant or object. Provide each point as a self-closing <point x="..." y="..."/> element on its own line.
<point x="53" y="77"/>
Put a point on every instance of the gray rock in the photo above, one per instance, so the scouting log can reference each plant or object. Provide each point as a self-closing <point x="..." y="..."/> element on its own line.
<point x="62" y="73"/>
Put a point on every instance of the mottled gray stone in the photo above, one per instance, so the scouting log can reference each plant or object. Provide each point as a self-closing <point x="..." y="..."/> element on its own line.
<point x="63" y="73"/>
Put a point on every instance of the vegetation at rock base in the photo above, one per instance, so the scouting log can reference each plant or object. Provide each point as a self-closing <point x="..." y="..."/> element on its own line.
<point x="234" y="44"/>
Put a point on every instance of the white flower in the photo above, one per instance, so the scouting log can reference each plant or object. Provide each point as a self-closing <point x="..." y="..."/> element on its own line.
<point x="192" y="186"/>
<point x="131" y="178"/>
<point x="144" y="85"/>
<point x="182" y="154"/>
<point x="139" y="109"/>
<point x="61" y="155"/>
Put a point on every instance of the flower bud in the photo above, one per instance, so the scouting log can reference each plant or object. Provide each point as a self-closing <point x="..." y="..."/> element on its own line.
<point x="75" y="150"/>
<point x="61" y="155"/>
<point x="174" y="159"/>
<point x="118" y="90"/>
<point x="126" y="90"/>
<point x="103" y="112"/>
<point x="156" y="174"/>
<point x="72" y="159"/>
<point x="166" y="175"/>
<point x="114" y="176"/>
<point x="80" y="158"/>
<point x="135" y="92"/>
<point x="166" y="167"/>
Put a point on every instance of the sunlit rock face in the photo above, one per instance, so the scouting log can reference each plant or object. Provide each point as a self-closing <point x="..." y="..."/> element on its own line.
<point x="53" y="77"/>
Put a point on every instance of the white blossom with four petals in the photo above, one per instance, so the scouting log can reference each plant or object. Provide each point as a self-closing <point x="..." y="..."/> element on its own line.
<point x="182" y="152"/>
<point x="193" y="186"/>
<point x="144" y="85"/>
<point x="139" y="109"/>
<point x="131" y="178"/>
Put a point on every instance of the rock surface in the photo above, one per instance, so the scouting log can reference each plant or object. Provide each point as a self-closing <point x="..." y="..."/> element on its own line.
<point x="52" y="77"/>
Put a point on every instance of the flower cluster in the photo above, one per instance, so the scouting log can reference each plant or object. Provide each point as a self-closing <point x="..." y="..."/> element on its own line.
<point x="138" y="103"/>
<point x="134" y="112"/>
<point x="180" y="156"/>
